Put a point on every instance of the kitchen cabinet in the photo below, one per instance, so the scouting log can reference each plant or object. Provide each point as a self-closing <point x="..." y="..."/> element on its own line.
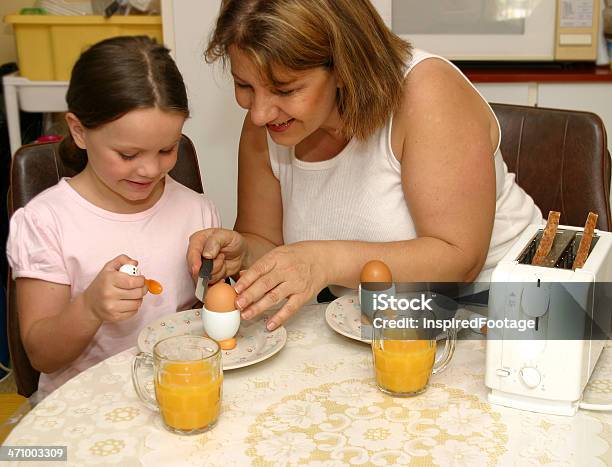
<point x="30" y="96"/>
<point x="508" y="93"/>
<point x="588" y="89"/>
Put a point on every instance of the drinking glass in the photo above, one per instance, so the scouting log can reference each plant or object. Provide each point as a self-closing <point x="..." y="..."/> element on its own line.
<point x="405" y="357"/>
<point x="187" y="377"/>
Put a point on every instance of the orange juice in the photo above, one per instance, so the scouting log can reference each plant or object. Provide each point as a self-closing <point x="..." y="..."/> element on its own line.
<point x="403" y="366"/>
<point x="188" y="394"/>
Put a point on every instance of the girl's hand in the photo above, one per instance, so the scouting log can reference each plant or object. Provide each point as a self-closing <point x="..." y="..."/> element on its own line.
<point x="226" y="248"/>
<point x="115" y="296"/>
<point x="289" y="271"/>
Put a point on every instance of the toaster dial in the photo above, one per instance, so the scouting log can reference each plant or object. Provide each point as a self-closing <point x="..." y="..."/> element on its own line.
<point x="530" y="376"/>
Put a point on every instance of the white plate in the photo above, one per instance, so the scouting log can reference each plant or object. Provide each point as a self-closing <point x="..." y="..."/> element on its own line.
<point x="344" y="316"/>
<point x="254" y="342"/>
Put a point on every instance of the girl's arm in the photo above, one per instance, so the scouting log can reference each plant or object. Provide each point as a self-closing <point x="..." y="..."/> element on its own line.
<point x="56" y="330"/>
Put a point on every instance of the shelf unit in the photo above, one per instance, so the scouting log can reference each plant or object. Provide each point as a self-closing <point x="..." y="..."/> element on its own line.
<point x="21" y="94"/>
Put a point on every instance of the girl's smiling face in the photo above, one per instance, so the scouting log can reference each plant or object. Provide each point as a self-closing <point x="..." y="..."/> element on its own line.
<point x="128" y="158"/>
<point x="304" y="103"/>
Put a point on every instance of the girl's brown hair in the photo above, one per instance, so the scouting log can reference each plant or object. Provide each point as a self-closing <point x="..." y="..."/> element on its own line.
<point x="346" y="36"/>
<point x="118" y="75"/>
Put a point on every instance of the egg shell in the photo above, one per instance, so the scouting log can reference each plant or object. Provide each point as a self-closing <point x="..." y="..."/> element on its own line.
<point x="375" y="271"/>
<point x="221" y="297"/>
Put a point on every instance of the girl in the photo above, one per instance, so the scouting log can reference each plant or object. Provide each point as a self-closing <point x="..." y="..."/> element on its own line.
<point x="127" y="106"/>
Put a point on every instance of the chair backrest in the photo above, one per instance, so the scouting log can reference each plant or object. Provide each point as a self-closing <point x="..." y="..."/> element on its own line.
<point x="35" y="168"/>
<point x="560" y="159"/>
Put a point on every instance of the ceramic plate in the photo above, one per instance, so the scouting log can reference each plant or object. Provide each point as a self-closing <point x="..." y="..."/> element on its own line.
<point x="344" y="316"/>
<point x="254" y="342"/>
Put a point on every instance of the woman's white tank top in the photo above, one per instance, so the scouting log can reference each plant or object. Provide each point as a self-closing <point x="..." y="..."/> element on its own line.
<point x="358" y="195"/>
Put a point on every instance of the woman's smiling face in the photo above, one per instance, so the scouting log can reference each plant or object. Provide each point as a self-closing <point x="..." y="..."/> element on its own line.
<point x="304" y="103"/>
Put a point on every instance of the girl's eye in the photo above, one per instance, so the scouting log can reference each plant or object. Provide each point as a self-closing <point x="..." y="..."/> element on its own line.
<point x="242" y="86"/>
<point x="168" y="151"/>
<point x="127" y="157"/>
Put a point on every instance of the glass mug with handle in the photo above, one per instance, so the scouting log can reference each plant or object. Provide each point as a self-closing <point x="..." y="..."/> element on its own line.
<point x="404" y="353"/>
<point x="188" y="379"/>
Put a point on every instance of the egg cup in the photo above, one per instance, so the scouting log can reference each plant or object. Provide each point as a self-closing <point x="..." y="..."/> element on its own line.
<point x="222" y="326"/>
<point x="367" y="297"/>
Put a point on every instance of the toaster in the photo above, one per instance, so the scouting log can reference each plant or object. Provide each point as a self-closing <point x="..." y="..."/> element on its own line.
<point x="546" y="367"/>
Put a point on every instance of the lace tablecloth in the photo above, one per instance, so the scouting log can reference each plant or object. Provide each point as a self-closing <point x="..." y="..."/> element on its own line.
<point x="315" y="403"/>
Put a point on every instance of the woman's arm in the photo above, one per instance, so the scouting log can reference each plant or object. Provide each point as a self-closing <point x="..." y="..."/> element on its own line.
<point x="260" y="210"/>
<point x="445" y="137"/>
<point x="259" y="223"/>
<point x="451" y="137"/>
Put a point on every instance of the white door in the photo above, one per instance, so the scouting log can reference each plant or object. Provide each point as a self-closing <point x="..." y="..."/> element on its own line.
<point x="216" y="119"/>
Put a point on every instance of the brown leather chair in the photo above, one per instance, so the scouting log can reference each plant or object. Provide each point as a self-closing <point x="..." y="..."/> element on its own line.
<point x="560" y="158"/>
<point x="35" y="168"/>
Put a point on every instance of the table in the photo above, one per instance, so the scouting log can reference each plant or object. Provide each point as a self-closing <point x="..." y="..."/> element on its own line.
<point x="315" y="402"/>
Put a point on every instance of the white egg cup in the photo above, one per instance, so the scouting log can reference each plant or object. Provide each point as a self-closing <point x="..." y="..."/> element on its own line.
<point x="221" y="325"/>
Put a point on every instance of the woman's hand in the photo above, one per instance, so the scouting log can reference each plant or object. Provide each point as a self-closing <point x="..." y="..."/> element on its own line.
<point x="290" y="271"/>
<point x="226" y="248"/>
<point x="113" y="295"/>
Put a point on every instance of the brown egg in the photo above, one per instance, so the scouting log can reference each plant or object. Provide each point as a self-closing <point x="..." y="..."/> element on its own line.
<point x="377" y="274"/>
<point x="220" y="297"/>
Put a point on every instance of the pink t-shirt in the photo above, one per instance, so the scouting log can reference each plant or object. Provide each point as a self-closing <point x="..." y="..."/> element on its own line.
<point x="61" y="237"/>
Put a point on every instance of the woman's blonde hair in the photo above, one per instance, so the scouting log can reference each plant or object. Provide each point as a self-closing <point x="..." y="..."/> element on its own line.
<point x="346" y="36"/>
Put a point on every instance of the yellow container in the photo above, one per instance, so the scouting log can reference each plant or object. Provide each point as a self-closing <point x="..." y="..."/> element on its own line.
<point x="48" y="46"/>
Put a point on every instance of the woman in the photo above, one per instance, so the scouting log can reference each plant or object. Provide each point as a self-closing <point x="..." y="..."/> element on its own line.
<point x="355" y="147"/>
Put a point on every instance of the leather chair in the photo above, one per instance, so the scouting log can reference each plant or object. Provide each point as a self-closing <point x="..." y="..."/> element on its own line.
<point x="35" y="168"/>
<point x="560" y="158"/>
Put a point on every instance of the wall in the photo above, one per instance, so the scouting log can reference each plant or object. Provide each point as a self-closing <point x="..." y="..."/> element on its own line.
<point x="7" y="40"/>
<point x="216" y="119"/>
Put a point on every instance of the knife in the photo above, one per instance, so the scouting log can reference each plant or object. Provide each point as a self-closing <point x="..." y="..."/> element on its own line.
<point x="203" y="277"/>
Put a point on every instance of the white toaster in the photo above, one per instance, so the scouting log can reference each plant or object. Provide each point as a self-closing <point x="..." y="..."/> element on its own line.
<point x="546" y="368"/>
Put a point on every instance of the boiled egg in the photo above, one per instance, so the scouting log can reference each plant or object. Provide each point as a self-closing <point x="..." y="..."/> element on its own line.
<point x="221" y="297"/>
<point x="220" y="317"/>
<point x="376" y="275"/>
